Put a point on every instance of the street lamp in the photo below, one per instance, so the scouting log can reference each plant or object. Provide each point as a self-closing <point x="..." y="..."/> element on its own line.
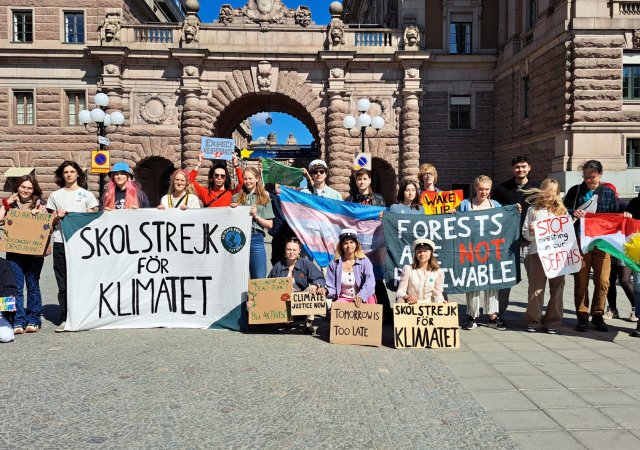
<point x="363" y="121"/>
<point x="100" y="120"/>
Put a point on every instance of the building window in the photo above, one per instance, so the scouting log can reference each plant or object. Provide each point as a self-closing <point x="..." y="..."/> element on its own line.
<point x="459" y="112"/>
<point x="75" y="103"/>
<point x="633" y="153"/>
<point x="460" y="37"/>
<point x="24" y="111"/>
<point x="74" y="27"/>
<point x="532" y="13"/>
<point x="525" y="97"/>
<point x="22" y="26"/>
<point x="631" y="82"/>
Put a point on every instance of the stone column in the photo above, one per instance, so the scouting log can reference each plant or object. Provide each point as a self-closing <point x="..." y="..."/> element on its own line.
<point x="195" y="123"/>
<point x="410" y="155"/>
<point x="338" y="156"/>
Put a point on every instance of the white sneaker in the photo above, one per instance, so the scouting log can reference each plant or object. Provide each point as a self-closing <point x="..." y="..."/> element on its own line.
<point x="60" y="328"/>
<point x="632" y="316"/>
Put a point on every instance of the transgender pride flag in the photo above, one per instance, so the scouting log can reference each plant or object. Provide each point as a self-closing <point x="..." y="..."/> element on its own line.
<point x="317" y="222"/>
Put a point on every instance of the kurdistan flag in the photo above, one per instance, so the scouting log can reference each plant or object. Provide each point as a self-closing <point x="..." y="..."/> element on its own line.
<point x="614" y="234"/>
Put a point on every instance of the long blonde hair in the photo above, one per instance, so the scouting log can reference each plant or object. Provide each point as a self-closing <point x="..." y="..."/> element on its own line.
<point x="547" y="197"/>
<point x="188" y="189"/>
<point x="262" y="197"/>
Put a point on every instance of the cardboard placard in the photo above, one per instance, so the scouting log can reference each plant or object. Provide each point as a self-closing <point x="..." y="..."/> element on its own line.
<point x="444" y="202"/>
<point x="268" y="300"/>
<point x="356" y="326"/>
<point x="217" y="148"/>
<point x="25" y="233"/>
<point x="426" y="325"/>
<point x="306" y="303"/>
<point x="7" y="304"/>
<point x="557" y="246"/>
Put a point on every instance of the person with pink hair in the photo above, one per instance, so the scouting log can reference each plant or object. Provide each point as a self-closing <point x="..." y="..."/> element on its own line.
<point x="122" y="192"/>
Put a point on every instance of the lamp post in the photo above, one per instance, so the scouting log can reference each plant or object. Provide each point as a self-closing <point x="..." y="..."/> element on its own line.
<point x="363" y="121"/>
<point x="100" y="120"/>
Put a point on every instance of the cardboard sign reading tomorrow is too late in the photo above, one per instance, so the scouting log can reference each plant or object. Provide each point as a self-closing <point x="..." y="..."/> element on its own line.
<point x="356" y="326"/>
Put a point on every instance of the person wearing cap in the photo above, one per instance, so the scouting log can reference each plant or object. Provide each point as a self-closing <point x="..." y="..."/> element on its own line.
<point x="69" y="198"/>
<point x="350" y="275"/>
<point x="180" y="193"/>
<point x="218" y="191"/>
<point x="317" y="176"/>
<point x="122" y="192"/>
<point x="422" y="281"/>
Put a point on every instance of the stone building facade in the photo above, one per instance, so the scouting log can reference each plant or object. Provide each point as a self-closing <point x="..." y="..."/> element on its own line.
<point x="446" y="75"/>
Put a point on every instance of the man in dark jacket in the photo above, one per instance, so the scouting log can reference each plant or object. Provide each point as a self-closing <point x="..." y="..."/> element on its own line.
<point x="510" y="193"/>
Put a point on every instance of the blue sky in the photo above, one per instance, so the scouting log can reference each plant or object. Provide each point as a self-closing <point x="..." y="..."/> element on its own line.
<point x="319" y="8"/>
<point x="283" y="124"/>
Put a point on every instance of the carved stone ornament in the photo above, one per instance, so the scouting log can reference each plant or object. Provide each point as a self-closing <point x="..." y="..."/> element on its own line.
<point x="190" y="71"/>
<point x="154" y="109"/>
<point x="190" y="29"/>
<point x="264" y="75"/>
<point x="412" y="72"/>
<point x="336" y="32"/>
<point x="111" y="28"/>
<point x="636" y="39"/>
<point x="337" y="72"/>
<point x="112" y="69"/>
<point x="265" y="12"/>
<point x="411" y="36"/>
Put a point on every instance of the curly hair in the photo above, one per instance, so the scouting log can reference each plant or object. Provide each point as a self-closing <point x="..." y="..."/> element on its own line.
<point x="59" y="178"/>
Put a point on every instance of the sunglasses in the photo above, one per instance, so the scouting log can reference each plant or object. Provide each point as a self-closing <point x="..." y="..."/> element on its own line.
<point x="219" y="175"/>
<point x="319" y="171"/>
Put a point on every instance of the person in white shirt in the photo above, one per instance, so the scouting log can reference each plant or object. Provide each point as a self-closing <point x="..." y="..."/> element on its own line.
<point x="180" y="193"/>
<point x="317" y="176"/>
<point x="69" y="198"/>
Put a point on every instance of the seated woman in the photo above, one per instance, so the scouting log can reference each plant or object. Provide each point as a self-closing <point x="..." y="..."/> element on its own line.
<point x="350" y="275"/>
<point x="408" y="199"/>
<point x="422" y="281"/>
<point x="122" y="192"/>
<point x="180" y="193"/>
<point x="306" y="276"/>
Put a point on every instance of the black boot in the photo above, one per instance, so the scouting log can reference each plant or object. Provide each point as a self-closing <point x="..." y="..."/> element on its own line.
<point x="636" y="332"/>
<point x="598" y="322"/>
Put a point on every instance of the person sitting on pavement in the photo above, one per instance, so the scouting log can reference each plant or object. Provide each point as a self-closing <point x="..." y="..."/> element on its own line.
<point x="122" y="192"/>
<point x="316" y="177"/>
<point x="8" y="288"/>
<point x="422" y="281"/>
<point x="218" y="192"/>
<point x="350" y="275"/>
<point x="180" y="193"/>
<point x="482" y="201"/>
<point x="27" y="196"/>
<point x="306" y="276"/>
<point x="545" y="203"/>
<point x="408" y="199"/>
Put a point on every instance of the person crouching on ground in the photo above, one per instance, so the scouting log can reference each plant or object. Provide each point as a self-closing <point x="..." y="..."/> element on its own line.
<point x="422" y="281"/>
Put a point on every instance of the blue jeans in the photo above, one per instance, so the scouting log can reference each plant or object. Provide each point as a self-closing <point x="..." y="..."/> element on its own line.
<point x="26" y="270"/>
<point x="257" y="256"/>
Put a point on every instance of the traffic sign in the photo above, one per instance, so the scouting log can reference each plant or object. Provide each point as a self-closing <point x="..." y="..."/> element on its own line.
<point x="100" y="161"/>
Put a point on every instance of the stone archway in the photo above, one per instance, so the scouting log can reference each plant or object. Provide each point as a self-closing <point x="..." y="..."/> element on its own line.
<point x="153" y="174"/>
<point x="384" y="180"/>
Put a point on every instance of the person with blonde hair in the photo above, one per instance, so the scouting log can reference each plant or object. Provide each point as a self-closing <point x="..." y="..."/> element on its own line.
<point x="254" y="195"/>
<point x="428" y="176"/>
<point x="180" y="194"/>
<point x="481" y="201"/>
<point x="545" y="203"/>
<point x="422" y="281"/>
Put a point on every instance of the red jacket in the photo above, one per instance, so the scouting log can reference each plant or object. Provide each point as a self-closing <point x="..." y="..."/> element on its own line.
<point x="214" y="199"/>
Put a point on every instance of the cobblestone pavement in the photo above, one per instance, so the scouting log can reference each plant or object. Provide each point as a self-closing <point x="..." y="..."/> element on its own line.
<point x="284" y="389"/>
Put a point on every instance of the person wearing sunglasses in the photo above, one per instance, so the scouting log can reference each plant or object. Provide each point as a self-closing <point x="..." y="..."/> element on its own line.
<point x="316" y="177"/>
<point x="218" y="192"/>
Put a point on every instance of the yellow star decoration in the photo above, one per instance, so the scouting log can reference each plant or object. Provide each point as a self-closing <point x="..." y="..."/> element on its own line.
<point x="632" y="247"/>
<point x="245" y="154"/>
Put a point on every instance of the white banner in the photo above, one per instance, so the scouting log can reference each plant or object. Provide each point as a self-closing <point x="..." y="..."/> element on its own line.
<point x="149" y="268"/>
<point x="557" y="246"/>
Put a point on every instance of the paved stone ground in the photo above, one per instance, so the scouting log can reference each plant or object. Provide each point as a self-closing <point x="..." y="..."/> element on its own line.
<point x="276" y="389"/>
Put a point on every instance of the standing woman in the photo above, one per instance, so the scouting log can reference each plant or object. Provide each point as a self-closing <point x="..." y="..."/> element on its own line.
<point x="545" y="203"/>
<point x="350" y="275"/>
<point x="122" y="192"/>
<point x="600" y="261"/>
<point x="253" y="194"/>
<point x="218" y="192"/>
<point x="180" y="193"/>
<point x="482" y="186"/>
<point x="422" y="281"/>
<point x="408" y="199"/>
<point x="26" y="269"/>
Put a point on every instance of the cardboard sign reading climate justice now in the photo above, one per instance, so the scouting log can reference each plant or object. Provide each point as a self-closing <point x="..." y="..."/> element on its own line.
<point x="306" y="303"/>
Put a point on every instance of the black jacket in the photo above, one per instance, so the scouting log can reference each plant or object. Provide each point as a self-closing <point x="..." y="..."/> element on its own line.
<point x="508" y="193"/>
<point x="7" y="285"/>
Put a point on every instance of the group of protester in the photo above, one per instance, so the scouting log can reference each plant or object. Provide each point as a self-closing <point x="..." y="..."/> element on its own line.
<point x="350" y="276"/>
